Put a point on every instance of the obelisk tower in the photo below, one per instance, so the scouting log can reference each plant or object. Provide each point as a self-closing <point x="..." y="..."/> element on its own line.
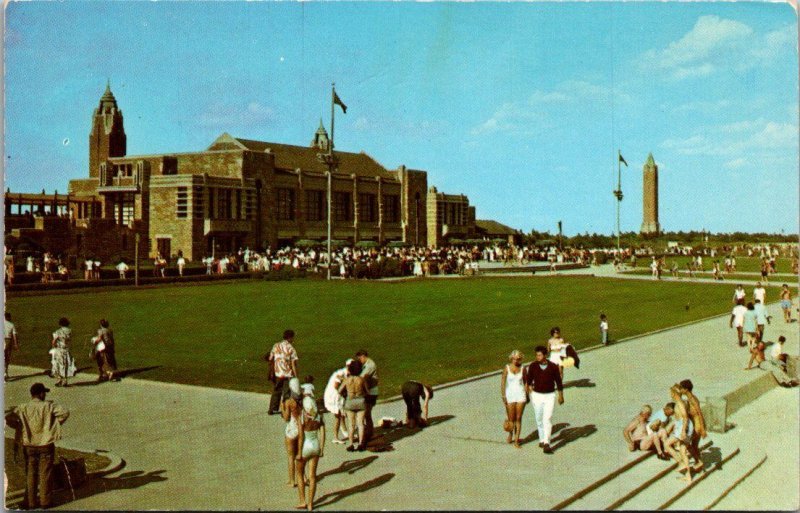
<point x="650" y="197"/>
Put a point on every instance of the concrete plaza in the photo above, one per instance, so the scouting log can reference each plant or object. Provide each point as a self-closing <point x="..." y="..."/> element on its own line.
<point x="200" y="448"/>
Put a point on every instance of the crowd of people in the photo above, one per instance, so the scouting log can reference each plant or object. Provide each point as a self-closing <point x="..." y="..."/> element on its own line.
<point x="350" y="395"/>
<point x="675" y="431"/>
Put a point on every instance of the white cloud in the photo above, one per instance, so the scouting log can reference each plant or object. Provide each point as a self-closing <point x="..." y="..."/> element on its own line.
<point x="715" y="44"/>
<point x="221" y="116"/>
<point x="736" y="163"/>
<point x="740" y="142"/>
<point x="699" y="106"/>
<point x="528" y="117"/>
<point x="423" y="128"/>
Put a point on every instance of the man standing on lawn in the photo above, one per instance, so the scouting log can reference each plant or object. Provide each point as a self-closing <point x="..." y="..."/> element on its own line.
<point x="544" y="379"/>
<point x="283" y="367"/>
<point x="369" y="371"/>
<point x="40" y="422"/>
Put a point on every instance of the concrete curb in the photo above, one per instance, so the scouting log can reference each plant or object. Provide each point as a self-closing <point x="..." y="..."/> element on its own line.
<point x="584" y="350"/>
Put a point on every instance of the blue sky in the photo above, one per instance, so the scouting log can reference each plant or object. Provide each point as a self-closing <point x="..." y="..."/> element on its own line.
<point x="520" y="106"/>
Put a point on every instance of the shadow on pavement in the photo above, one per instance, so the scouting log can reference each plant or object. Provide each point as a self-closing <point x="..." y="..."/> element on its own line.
<point x="26" y="376"/>
<point x="535" y="434"/>
<point x="580" y="383"/>
<point x="571" y="434"/>
<point x="711" y="456"/>
<point x="385" y="437"/>
<point x="124" y="481"/>
<point x="333" y="497"/>
<point x="349" y="466"/>
<point x="117" y="376"/>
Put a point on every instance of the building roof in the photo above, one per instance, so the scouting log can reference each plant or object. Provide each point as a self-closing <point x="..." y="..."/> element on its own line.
<point x="650" y="161"/>
<point x="494" y="228"/>
<point x="288" y="156"/>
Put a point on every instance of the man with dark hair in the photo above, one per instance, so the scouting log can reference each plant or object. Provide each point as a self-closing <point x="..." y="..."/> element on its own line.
<point x="283" y="367"/>
<point x="369" y="371"/>
<point x="10" y="341"/>
<point x="543" y="380"/>
<point x="40" y="424"/>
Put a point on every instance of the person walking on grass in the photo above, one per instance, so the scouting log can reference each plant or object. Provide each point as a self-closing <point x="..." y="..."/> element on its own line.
<point x="40" y="423"/>
<point x="512" y="390"/>
<point x="283" y="367"/>
<point x="737" y="320"/>
<point x="10" y="341"/>
<point x="311" y="441"/>
<point x="62" y="362"/>
<point x="760" y="293"/>
<point x="355" y="404"/>
<point x="543" y="380"/>
<point x="786" y="303"/>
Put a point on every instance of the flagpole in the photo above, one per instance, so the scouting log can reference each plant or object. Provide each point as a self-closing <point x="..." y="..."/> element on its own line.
<point x="330" y="181"/>
<point x="619" y="191"/>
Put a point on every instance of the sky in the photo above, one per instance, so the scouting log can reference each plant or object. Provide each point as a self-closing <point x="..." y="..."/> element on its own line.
<point x="520" y="106"/>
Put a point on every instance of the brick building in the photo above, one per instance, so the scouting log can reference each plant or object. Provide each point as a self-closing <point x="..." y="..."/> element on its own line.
<point x="450" y="217"/>
<point x="241" y="192"/>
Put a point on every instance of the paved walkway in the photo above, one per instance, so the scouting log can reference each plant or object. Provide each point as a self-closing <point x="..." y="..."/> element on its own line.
<point x="198" y="448"/>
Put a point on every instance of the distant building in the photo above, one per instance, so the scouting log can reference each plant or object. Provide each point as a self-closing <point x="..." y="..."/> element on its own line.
<point x="450" y="217"/>
<point x="650" y="223"/>
<point x="489" y="229"/>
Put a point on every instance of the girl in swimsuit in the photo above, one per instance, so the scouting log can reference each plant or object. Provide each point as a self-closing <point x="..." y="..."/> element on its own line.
<point x="312" y="448"/>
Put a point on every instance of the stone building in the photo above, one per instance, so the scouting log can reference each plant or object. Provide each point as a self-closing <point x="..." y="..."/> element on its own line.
<point x="450" y="216"/>
<point x="650" y="223"/>
<point x="241" y="192"/>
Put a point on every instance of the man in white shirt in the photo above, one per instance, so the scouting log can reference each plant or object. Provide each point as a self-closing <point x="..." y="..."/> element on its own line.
<point x="737" y="320"/>
<point x="11" y="342"/>
<point x="760" y="293"/>
<point x="739" y="294"/>
<point x="122" y="267"/>
<point x="87" y="273"/>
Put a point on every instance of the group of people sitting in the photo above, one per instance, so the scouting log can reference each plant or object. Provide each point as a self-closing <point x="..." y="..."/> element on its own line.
<point x="675" y="431"/>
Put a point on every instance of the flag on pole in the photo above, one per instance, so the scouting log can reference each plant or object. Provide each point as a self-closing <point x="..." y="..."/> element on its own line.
<point x="338" y="101"/>
<point x="621" y="158"/>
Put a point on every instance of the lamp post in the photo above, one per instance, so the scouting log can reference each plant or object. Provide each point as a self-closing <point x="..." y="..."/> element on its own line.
<point x="618" y="191"/>
<point x="136" y="260"/>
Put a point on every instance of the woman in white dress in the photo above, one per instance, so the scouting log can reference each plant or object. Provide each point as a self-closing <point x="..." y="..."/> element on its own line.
<point x="417" y="268"/>
<point x="512" y="390"/>
<point x="62" y="362"/>
<point x="558" y="349"/>
<point x="334" y="402"/>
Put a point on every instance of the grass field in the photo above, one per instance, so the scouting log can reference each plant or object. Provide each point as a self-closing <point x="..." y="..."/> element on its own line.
<point x="743" y="264"/>
<point x="432" y="330"/>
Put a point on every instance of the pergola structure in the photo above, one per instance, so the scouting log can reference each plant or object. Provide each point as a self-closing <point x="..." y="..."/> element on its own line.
<point x="62" y="205"/>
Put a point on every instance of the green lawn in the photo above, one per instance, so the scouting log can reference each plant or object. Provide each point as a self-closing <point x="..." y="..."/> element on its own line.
<point x="432" y="330"/>
<point x="743" y="264"/>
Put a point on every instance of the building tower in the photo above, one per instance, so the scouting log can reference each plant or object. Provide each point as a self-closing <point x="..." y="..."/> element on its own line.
<point x="650" y="198"/>
<point x="107" y="138"/>
<point x="321" y="140"/>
